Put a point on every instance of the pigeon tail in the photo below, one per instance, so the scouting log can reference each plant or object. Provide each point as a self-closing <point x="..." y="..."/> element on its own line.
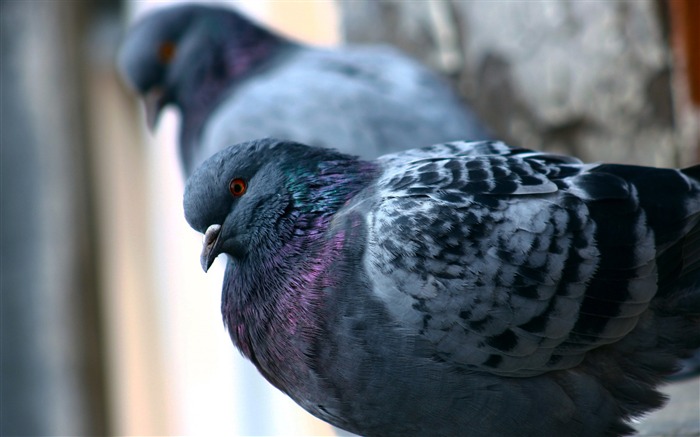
<point x="631" y="369"/>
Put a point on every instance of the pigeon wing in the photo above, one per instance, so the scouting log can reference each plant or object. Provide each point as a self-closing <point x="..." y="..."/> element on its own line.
<point x="490" y="256"/>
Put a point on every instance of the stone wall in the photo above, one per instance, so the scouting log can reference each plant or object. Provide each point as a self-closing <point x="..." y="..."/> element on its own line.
<point x="594" y="79"/>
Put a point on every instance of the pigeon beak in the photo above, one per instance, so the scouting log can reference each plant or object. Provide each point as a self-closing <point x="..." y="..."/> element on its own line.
<point x="153" y="101"/>
<point x="209" y="254"/>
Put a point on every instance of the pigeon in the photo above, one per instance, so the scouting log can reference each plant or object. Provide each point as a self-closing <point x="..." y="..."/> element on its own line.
<point x="234" y="81"/>
<point x="465" y="288"/>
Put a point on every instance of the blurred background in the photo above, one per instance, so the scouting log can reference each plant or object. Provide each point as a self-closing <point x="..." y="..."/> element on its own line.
<point x="109" y="326"/>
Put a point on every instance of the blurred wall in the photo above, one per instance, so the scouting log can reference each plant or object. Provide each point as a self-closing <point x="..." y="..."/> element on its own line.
<point x="52" y="368"/>
<point x="591" y="78"/>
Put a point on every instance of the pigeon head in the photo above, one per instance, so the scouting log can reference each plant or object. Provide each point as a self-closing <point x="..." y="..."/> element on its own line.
<point x="257" y="196"/>
<point x="188" y="54"/>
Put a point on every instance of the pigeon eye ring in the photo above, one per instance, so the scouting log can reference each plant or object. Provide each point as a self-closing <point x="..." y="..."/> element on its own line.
<point x="237" y="187"/>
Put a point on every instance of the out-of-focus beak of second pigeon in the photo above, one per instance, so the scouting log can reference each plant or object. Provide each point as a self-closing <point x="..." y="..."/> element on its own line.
<point x="209" y="252"/>
<point x="153" y="101"/>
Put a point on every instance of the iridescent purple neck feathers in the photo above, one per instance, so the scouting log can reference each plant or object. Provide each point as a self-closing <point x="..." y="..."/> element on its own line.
<point x="213" y="83"/>
<point x="274" y="297"/>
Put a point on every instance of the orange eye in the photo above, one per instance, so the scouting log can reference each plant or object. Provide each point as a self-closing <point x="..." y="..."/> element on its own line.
<point x="166" y="52"/>
<point x="237" y="187"/>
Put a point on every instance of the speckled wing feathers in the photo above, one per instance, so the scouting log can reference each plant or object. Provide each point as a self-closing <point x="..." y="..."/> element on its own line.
<point x="526" y="260"/>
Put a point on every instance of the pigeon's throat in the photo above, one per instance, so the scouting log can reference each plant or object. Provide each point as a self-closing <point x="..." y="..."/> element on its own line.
<point x="278" y="302"/>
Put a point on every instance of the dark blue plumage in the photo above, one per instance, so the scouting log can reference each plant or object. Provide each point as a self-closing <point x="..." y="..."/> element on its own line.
<point x="460" y="289"/>
<point x="234" y="81"/>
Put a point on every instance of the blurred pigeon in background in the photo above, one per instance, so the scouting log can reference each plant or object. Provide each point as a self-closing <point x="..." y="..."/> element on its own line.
<point x="234" y="81"/>
<point x="460" y="289"/>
